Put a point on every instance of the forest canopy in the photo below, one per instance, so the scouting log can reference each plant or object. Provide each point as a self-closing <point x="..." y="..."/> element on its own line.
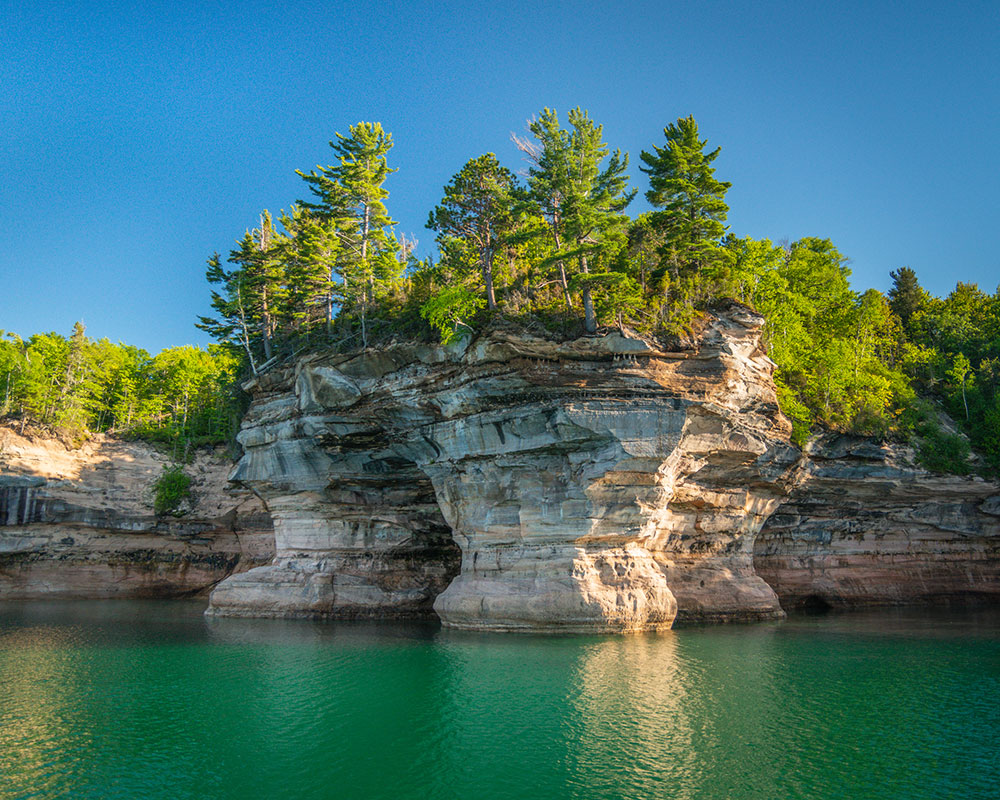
<point x="182" y="397"/>
<point x="555" y="252"/>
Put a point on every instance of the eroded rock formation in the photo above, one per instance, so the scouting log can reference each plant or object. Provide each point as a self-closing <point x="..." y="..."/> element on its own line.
<point x="603" y="484"/>
<point x="866" y="526"/>
<point x="80" y="523"/>
<point x="510" y="483"/>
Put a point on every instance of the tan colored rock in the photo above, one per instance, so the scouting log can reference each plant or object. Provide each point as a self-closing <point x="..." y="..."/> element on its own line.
<point x="80" y="522"/>
<point x="603" y="484"/>
<point x="866" y="526"/>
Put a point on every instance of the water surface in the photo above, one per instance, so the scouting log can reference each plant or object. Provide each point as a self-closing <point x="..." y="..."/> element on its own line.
<point x="151" y="700"/>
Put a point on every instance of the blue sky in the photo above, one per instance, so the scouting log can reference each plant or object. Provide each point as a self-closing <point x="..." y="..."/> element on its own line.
<point x="136" y="139"/>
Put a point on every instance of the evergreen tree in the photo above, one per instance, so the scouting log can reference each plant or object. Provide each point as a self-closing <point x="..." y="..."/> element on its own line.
<point x="351" y="193"/>
<point x="250" y="304"/>
<point x="478" y="209"/>
<point x="682" y="184"/>
<point x="310" y="252"/>
<point x="547" y="179"/>
<point x="234" y="323"/>
<point x="581" y="201"/>
<point x="595" y="198"/>
<point x="905" y="297"/>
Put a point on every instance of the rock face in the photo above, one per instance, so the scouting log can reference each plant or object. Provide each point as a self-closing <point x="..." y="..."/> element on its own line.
<point x="865" y="526"/>
<point x="79" y="523"/>
<point x="509" y="483"/>
<point x="514" y="483"/>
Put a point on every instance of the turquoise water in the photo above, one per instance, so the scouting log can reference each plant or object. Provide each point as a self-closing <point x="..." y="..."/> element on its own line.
<point x="151" y="700"/>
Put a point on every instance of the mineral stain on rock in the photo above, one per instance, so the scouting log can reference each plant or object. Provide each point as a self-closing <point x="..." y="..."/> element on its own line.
<point x="602" y="484"/>
<point x="80" y="523"/>
<point x="606" y="484"/>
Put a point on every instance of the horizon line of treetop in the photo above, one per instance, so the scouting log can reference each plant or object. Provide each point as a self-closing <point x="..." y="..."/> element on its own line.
<point x="336" y="256"/>
<point x="556" y="254"/>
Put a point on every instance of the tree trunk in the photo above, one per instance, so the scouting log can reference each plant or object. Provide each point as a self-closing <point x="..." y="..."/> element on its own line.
<point x="562" y="267"/>
<point x="265" y="327"/>
<point x="244" y="330"/>
<point x="589" y="317"/>
<point x="487" y="258"/>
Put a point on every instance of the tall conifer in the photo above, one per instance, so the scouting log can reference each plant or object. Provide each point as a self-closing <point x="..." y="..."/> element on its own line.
<point x="692" y="202"/>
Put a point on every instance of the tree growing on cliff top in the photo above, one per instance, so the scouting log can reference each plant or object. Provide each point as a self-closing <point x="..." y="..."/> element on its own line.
<point x="478" y="210"/>
<point x="582" y="202"/>
<point x="250" y="302"/>
<point x="692" y="202"/>
<point x="351" y="192"/>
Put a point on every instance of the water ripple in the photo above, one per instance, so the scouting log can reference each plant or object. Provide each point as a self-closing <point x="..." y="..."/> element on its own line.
<point x="151" y="700"/>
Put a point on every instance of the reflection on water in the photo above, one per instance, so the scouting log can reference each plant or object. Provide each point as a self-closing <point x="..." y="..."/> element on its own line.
<point x="634" y="717"/>
<point x="134" y="699"/>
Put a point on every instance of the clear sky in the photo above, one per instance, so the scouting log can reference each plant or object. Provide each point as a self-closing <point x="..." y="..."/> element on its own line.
<point x="138" y="138"/>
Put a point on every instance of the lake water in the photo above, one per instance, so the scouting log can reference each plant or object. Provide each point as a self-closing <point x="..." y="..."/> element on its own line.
<point x="152" y="700"/>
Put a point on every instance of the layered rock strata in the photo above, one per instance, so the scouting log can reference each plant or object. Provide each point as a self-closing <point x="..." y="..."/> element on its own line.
<point x="866" y="526"/>
<point x="603" y="484"/>
<point x="80" y="523"/>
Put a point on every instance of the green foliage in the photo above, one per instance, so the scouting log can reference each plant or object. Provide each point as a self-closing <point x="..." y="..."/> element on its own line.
<point x="616" y="296"/>
<point x="182" y="397"/>
<point x="940" y="451"/>
<point x="952" y="354"/>
<point x="906" y="297"/>
<point x="332" y="273"/>
<point x="171" y="489"/>
<point x="581" y="201"/>
<point x="449" y="309"/>
<point x="351" y="194"/>
<point x="477" y="215"/>
<point x="692" y="202"/>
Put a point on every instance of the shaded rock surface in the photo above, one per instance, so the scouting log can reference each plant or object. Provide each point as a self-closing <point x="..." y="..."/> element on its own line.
<point x="603" y="484"/>
<point x="80" y="522"/>
<point x="866" y="526"/>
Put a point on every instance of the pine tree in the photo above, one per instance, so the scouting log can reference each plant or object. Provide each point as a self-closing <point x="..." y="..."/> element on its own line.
<point x="905" y="297"/>
<point x="682" y="184"/>
<point x="547" y="178"/>
<point x="581" y="201"/>
<point x="252" y="301"/>
<point x="351" y="193"/>
<point x="478" y="210"/>
<point x="595" y="198"/>
<point x="310" y="253"/>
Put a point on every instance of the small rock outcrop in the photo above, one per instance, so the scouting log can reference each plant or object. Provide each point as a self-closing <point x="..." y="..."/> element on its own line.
<point x="80" y="522"/>
<point x="867" y="526"/>
<point x="510" y="482"/>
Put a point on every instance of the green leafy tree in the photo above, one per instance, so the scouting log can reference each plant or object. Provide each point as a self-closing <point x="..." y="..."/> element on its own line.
<point x="448" y="310"/>
<point x="959" y="373"/>
<point x="170" y="490"/>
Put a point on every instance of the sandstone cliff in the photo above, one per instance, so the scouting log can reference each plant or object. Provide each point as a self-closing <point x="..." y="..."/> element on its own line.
<point x="510" y="483"/>
<point x="80" y="522"/>
<point x="866" y="526"/>
<point x="604" y="484"/>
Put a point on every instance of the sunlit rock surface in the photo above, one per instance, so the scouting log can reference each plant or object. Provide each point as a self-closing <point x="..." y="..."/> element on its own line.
<point x="602" y="484"/>
<point x="866" y="526"/>
<point x="80" y="522"/>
